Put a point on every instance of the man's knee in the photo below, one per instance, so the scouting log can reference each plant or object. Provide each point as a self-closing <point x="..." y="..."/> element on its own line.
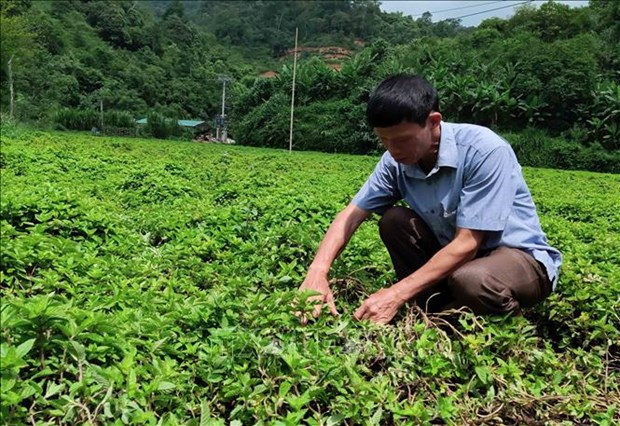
<point x="466" y="282"/>
<point x="476" y="288"/>
<point x="394" y="221"/>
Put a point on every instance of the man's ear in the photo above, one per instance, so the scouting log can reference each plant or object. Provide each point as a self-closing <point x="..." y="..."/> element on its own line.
<point x="434" y="119"/>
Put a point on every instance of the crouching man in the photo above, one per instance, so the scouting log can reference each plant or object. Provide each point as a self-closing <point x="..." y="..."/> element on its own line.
<point x="470" y="236"/>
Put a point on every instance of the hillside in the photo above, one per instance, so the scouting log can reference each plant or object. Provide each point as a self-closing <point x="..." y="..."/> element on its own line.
<point x="553" y="69"/>
<point x="161" y="55"/>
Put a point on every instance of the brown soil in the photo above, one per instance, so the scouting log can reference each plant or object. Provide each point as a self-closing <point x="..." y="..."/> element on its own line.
<point x="333" y="55"/>
<point x="327" y="51"/>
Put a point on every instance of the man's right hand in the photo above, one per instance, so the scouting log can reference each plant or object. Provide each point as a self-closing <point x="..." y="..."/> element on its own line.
<point x="317" y="281"/>
<point x="334" y="241"/>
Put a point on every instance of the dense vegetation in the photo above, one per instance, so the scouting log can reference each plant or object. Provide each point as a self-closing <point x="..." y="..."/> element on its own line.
<point x="144" y="56"/>
<point x="553" y="68"/>
<point x="509" y="75"/>
<point x="152" y="282"/>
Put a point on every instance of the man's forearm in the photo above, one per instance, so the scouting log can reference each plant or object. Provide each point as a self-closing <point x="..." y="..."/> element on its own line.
<point x="440" y="266"/>
<point x="336" y="238"/>
<point x="333" y="243"/>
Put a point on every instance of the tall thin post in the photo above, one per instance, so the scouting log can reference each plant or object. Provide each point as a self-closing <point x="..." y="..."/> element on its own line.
<point x="101" y="112"/>
<point x="223" y="134"/>
<point x="11" y="90"/>
<point x="290" y="138"/>
<point x="221" y="130"/>
<point x="223" y="96"/>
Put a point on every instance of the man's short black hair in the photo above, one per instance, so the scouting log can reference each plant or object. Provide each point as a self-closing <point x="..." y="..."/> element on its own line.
<point x="401" y="97"/>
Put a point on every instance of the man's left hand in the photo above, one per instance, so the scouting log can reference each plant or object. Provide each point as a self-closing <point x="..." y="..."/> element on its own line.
<point x="380" y="307"/>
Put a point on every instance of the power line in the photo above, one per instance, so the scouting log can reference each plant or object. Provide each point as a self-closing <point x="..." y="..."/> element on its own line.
<point x="459" y="8"/>
<point x="491" y="10"/>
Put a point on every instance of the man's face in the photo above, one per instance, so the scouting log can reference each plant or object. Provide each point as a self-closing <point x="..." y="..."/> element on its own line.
<point x="410" y="143"/>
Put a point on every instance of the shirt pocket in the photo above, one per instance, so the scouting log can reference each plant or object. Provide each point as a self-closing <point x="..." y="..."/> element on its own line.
<point x="448" y="209"/>
<point x="443" y="222"/>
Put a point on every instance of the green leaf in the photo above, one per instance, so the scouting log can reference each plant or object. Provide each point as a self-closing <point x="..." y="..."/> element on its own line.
<point x="53" y="389"/>
<point x="7" y="385"/>
<point x="23" y="349"/>
<point x="165" y="386"/>
<point x="335" y="419"/>
<point x="205" y="413"/>
<point x="484" y="374"/>
<point x="79" y="350"/>
<point x="284" y="388"/>
<point x="30" y="389"/>
<point x="446" y="407"/>
<point x="376" y="418"/>
<point x="131" y="383"/>
<point x="297" y="402"/>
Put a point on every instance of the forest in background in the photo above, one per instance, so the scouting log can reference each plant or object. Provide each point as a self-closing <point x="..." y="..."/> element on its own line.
<point x="548" y="77"/>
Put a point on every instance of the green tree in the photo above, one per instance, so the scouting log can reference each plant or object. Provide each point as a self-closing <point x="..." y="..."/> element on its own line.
<point x="17" y="40"/>
<point x="607" y="20"/>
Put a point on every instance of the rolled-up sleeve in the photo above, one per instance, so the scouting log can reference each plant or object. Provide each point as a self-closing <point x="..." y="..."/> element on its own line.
<point x="488" y="192"/>
<point x="380" y="191"/>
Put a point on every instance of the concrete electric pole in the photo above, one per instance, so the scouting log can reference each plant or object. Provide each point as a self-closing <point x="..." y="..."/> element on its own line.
<point x="221" y="129"/>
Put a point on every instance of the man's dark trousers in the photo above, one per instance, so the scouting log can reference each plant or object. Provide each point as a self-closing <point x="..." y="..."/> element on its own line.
<point x="499" y="281"/>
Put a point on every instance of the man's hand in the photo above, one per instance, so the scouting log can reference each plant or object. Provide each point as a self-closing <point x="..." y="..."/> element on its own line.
<point x="317" y="281"/>
<point x="380" y="307"/>
<point x="334" y="241"/>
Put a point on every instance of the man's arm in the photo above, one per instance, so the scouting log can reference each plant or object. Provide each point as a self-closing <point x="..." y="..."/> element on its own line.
<point x="334" y="241"/>
<point x="381" y="306"/>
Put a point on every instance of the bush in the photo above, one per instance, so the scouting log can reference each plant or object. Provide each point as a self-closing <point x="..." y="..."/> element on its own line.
<point x="161" y="127"/>
<point x="535" y="148"/>
<point x="76" y="119"/>
<point x="596" y="158"/>
<point x="562" y="74"/>
<point x="119" y="119"/>
<point x="266" y="125"/>
<point x="602" y="116"/>
<point x="327" y="126"/>
<point x="548" y="86"/>
<point x="79" y="119"/>
<point x="8" y="126"/>
<point x="333" y="126"/>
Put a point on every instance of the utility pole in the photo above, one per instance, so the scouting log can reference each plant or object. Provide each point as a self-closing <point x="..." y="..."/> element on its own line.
<point x="11" y="90"/>
<point x="290" y="137"/>
<point x="221" y="130"/>
<point x="101" y="112"/>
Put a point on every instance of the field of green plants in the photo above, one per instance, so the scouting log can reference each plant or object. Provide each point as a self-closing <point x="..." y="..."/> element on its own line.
<point x="151" y="282"/>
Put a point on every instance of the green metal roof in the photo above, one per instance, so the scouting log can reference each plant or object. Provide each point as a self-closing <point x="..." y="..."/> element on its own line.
<point x="190" y="123"/>
<point x="182" y="123"/>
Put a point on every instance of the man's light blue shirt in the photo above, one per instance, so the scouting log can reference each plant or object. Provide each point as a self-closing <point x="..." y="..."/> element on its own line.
<point x="476" y="184"/>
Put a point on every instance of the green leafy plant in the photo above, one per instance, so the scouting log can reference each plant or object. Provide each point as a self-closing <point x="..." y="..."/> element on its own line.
<point x="155" y="282"/>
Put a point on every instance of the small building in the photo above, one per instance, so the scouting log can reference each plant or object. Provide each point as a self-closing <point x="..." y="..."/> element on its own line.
<point x="197" y="126"/>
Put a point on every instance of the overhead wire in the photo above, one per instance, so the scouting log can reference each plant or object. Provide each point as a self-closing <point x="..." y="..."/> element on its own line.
<point x="459" y="8"/>
<point x="477" y="5"/>
<point x="491" y="10"/>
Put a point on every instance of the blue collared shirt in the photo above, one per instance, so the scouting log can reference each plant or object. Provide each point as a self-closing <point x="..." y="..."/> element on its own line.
<point x="476" y="184"/>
